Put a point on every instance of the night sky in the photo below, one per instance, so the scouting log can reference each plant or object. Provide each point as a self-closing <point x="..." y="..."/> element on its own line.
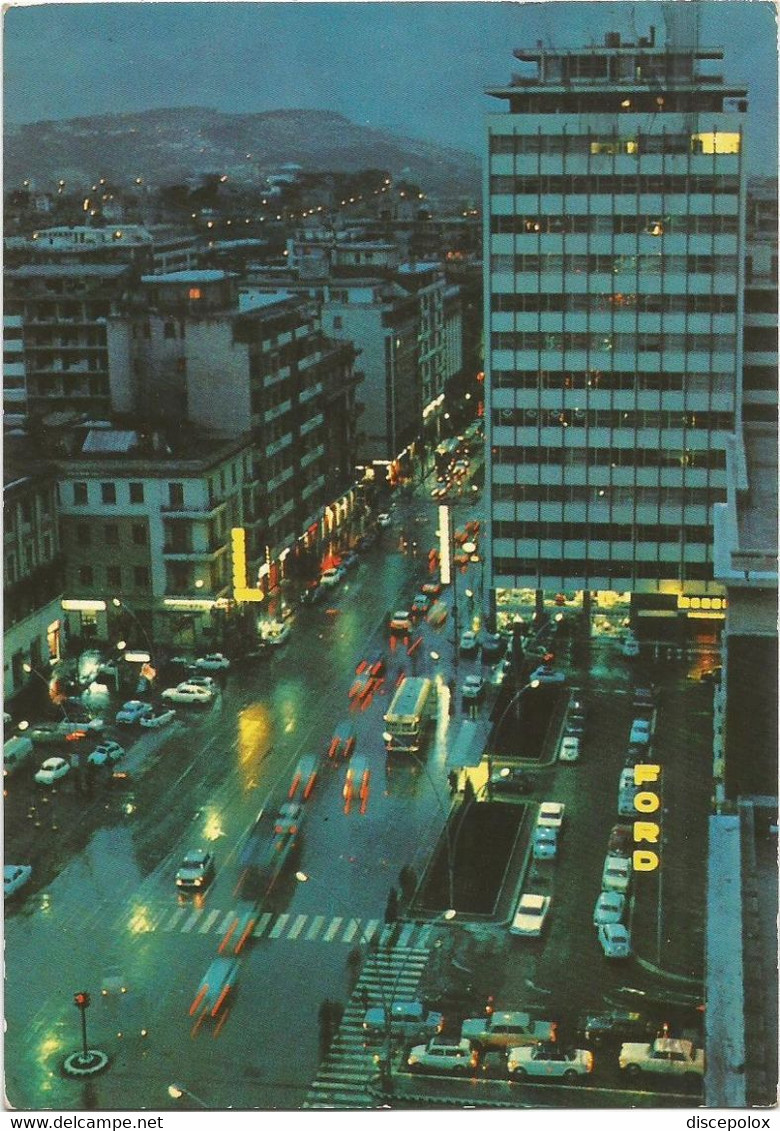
<point x="415" y="68"/>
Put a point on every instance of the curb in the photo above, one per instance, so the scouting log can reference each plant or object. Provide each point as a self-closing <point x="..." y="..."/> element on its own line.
<point x="661" y="973"/>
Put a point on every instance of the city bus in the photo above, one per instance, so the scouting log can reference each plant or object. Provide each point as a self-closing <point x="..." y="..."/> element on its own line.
<point x="411" y="711"/>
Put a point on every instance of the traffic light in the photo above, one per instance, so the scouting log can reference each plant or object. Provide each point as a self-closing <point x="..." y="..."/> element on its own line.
<point x="81" y="999"/>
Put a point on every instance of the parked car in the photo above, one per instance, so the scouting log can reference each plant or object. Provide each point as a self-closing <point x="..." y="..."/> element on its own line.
<point x="629" y="646"/>
<point x="473" y="688"/>
<point x="545" y="844"/>
<point x="383" y="520"/>
<point x="627" y="791"/>
<point x="52" y="770"/>
<point x="616" y="875"/>
<point x="408" y="1019"/>
<point x="570" y="749"/>
<point x="550" y="815"/>
<point x="621" y="841"/>
<point x="196" y="870"/>
<point x="16" y="751"/>
<point x="329" y="578"/>
<point x="202" y="681"/>
<point x="213" y="662"/>
<point x="401" y="621"/>
<point x="665" y="1055"/>
<point x="441" y="1055"/>
<point x="187" y="693"/>
<point x="575" y="718"/>
<point x="546" y="674"/>
<point x="158" y="719"/>
<point x="530" y="915"/>
<point x="106" y="752"/>
<point x="641" y="732"/>
<point x="610" y="908"/>
<point x="468" y="644"/>
<point x="550" y="1061"/>
<point x="615" y="1025"/>
<point x="510" y="779"/>
<point x="505" y="1029"/>
<point x="615" y="940"/>
<point x="133" y="711"/>
<point x="15" y="876"/>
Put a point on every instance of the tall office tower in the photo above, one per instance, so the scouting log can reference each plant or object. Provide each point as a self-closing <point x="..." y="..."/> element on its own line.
<point x="614" y="248"/>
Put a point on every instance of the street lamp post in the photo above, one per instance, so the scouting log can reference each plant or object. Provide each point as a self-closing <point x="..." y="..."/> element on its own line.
<point x="120" y="604"/>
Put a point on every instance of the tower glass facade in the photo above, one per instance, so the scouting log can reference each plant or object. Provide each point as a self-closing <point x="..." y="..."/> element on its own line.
<point x="614" y="247"/>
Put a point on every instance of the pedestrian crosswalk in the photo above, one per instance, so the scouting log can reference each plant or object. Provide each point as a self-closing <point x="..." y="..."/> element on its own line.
<point x="284" y="926"/>
<point x="390" y="973"/>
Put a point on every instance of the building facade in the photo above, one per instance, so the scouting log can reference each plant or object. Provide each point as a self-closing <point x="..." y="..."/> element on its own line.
<point x="55" y="353"/>
<point x="33" y="571"/>
<point x="146" y="525"/>
<point x="614" y="236"/>
<point x="185" y="350"/>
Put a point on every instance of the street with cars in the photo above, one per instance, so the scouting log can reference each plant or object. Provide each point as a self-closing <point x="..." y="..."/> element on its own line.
<point x="230" y="847"/>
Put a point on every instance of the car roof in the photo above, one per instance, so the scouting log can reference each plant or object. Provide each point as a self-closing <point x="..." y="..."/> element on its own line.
<point x="533" y="901"/>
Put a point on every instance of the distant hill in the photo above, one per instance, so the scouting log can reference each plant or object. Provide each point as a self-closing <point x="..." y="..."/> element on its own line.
<point x="166" y="146"/>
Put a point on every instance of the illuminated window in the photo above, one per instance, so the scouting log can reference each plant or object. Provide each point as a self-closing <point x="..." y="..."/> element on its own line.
<point x="195" y="293"/>
<point x="715" y="143"/>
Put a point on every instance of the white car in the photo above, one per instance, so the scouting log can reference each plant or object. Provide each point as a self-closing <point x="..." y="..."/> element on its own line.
<point x="201" y="681"/>
<point x="133" y="711"/>
<point x="549" y="1060"/>
<point x="617" y="874"/>
<point x="550" y="815"/>
<point x="546" y="674"/>
<point x="615" y="940"/>
<point x="52" y="770"/>
<point x="570" y="749"/>
<point x="629" y="646"/>
<point x="15" y="876"/>
<point x="530" y="915"/>
<point x="161" y="719"/>
<point x="106" y="752"/>
<point x="383" y="520"/>
<point x="610" y="908"/>
<point x="331" y="577"/>
<point x="187" y="693"/>
<point x="213" y="662"/>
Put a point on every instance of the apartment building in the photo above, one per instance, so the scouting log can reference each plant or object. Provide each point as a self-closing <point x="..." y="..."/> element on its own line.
<point x="55" y="356"/>
<point x="146" y="520"/>
<point x="32" y="570"/>
<point x="185" y="350"/>
<point x="614" y="235"/>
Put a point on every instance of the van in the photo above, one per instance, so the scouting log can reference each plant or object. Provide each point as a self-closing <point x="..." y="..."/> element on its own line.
<point x="16" y="751"/>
